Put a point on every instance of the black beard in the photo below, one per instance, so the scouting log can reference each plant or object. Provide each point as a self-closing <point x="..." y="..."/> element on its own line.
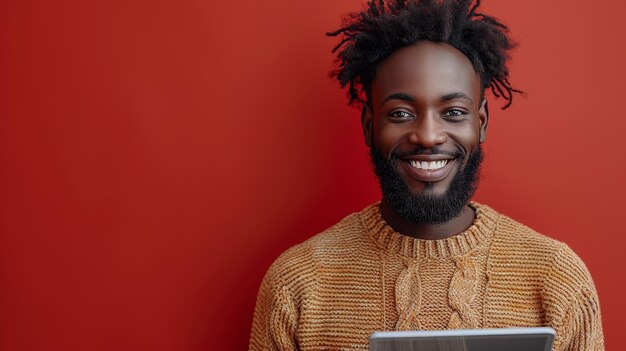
<point x="426" y="208"/>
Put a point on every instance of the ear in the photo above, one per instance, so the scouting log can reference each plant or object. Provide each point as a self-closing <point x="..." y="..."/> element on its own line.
<point x="367" y="118"/>
<point x="483" y="117"/>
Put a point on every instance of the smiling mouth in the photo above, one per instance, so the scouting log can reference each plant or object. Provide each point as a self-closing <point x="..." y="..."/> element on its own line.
<point x="428" y="165"/>
<point x="428" y="170"/>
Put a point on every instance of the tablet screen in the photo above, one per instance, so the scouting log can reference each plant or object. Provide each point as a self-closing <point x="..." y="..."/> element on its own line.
<point x="508" y="339"/>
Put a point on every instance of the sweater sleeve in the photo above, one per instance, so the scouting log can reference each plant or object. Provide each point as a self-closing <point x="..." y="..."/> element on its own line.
<point x="275" y="316"/>
<point x="572" y="306"/>
<point x="582" y="329"/>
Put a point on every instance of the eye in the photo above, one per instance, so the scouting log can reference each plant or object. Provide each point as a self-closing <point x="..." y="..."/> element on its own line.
<point x="454" y="114"/>
<point x="401" y="114"/>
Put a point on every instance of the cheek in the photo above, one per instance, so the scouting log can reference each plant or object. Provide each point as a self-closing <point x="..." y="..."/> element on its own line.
<point x="468" y="137"/>
<point x="387" y="137"/>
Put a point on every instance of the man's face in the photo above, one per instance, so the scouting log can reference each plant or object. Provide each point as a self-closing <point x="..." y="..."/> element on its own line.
<point x="424" y="125"/>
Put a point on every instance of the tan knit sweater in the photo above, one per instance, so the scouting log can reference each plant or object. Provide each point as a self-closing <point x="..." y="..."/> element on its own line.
<point x="332" y="291"/>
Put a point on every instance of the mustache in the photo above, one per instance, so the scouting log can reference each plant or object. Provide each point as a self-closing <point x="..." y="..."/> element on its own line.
<point x="418" y="150"/>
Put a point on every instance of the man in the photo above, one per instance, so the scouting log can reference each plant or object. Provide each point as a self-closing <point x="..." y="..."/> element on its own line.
<point x="425" y="257"/>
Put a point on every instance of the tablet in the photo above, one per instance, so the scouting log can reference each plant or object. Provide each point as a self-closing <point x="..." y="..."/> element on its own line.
<point x="506" y="339"/>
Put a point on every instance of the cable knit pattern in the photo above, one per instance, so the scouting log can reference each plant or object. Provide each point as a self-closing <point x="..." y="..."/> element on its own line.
<point x="408" y="296"/>
<point x="360" y="276"/>
<point x="462" y="293"/>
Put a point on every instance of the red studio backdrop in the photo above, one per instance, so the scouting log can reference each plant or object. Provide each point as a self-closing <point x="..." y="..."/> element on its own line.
<point x="157" y="156"/>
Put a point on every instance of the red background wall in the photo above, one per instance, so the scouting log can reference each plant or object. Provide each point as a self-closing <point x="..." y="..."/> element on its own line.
<point x="156" y="156"/>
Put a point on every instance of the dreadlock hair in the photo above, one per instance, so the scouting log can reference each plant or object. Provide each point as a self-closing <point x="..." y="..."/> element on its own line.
<point x="372" y="35"/>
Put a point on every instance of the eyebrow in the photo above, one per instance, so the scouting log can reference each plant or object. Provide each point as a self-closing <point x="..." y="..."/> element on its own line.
<point x="445" y="98"/>
<point x="398" y="96"/>
<point x="457" y="95"/>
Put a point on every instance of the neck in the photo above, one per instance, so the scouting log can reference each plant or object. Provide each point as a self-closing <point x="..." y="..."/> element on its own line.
<point x="450" y="228"/>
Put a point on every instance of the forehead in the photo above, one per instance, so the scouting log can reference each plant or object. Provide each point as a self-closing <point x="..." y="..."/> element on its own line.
<point x="426" y="70"/>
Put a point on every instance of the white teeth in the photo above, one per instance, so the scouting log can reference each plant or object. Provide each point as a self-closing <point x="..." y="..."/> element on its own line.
<point x="432" y="165"/>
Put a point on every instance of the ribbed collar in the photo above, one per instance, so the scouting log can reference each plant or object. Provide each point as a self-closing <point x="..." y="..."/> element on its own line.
<point x="393" y="242"/>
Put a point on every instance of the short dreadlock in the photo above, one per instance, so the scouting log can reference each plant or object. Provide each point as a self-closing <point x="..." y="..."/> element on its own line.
<point x="372" y="35"/>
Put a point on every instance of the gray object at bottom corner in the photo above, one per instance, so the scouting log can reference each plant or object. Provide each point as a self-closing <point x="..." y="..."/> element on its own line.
<point x="509" y="339"/>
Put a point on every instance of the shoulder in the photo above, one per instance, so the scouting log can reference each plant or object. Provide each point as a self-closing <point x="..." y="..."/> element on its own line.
<point x="517" y="246"/>
<point x="302" y="263"/>
<point x="542" y="274"/>
<point x="517" y="243"/>
<point x="514" y="237"/>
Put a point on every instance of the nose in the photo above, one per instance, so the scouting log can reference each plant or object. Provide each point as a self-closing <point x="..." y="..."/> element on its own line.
<point x="427" y="131"/>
